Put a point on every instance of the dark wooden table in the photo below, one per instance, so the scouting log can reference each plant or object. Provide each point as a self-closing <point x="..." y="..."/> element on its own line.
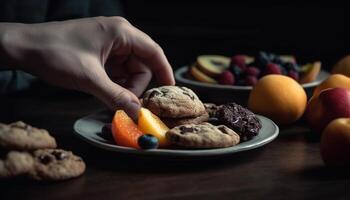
<point x="288" y="168"/>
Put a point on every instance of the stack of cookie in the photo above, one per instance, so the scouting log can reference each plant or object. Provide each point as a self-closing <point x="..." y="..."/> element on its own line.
<point x="187" y="117"/>
<point x="31" y="152"/>
<point x="175" y="105"/>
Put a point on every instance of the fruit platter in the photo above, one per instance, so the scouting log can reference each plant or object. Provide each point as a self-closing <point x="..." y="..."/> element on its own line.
<point x="165" y="126"/>
<point x="233" y="78"/>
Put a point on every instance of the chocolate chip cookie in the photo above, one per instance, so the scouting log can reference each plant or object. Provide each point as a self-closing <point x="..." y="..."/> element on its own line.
<point x="239" y="119"/>
<point x="173" y="102"/>
<point x="56" y="164"/>
<point x="203" y="135"/>
<point x="15" y="164"/>
<point x="172" y="122"/>
<point x="21" y="136"/>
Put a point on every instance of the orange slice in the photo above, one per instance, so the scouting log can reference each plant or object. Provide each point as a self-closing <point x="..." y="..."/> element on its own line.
<point x="151" y="124"/>
<point x="124" y="130"/>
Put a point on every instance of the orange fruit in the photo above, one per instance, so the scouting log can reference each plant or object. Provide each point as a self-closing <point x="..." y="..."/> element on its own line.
<point x="151" y="124"/>
<point x="124" y="130"/>
<point x="333" y="81"/>
<point x="335" y="143"/>
<point x="342" y="66"/>
<point x="278" y="97"/>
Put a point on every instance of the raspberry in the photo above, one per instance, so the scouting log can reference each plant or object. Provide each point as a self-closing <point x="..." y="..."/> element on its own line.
<point x="252" y="71"/>
<point x="226" y="78"/>
<point x="294" y="75"/>
<point x="251" y="80"/>
<point x="272" y="68"/>
<point x="239" y="60"/>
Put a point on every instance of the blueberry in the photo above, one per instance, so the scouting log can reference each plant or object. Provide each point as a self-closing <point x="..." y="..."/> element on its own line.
<point x="148" y="141"/>
<point x="291" y="66"/>
<point x="272" y="56"/>
<point x="283" y="70"/>
<point x="262" y="59"/>
<point x="264" y="55"/>
<point x="278" y="60"/>
<point x="236" y="71"/>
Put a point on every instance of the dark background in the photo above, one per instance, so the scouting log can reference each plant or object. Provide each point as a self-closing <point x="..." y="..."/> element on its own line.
<point x="308" y="30"/>
<point x="185" y="29"/>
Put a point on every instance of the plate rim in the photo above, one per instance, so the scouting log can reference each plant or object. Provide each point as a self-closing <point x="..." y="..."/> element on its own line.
<point x="177" y="152"/>
<point x="179" y="77"/>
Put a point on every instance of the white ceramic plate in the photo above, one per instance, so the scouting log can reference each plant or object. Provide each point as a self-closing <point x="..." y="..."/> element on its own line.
<point x="219" y="94"/>
<point x="89" y="129"/>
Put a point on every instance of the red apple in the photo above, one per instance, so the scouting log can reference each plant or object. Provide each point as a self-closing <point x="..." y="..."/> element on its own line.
<point x="328" y="105"/>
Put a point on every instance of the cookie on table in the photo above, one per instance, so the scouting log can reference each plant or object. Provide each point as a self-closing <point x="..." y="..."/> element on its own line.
<point x="203" y="135"/>
<point x="21" y="136"/>
<point x="56" y="165"/>
<point x="173" y="102"/>
<point x="172" y="122"/>
<point x="239" y="119"/>
<point x="16" y="164"/>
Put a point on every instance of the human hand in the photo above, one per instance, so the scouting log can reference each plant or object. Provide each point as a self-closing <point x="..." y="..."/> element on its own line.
<point x="104" y="56"/>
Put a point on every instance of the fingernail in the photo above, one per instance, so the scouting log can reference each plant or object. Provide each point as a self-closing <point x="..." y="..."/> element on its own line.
<point x="132" y="109"/>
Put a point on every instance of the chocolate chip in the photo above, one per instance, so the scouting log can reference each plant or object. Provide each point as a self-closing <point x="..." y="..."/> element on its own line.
<point x="188" y="94"/>
<point x="154" y="93"/>
<point x="164" y="91"/>
<point x="184" y="129"/>
<point x="45" y="159"/>
<point x="222" y="129"/>
<point x="59" y="155"/>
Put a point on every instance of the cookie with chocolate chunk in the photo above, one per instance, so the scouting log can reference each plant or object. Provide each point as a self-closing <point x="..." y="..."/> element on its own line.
<point x="173" y="102"/>
<point x="15" y="164"/>
<point x="203" y="135"/>
<point x="21" y="136"/>
<point x="239" y="119"/>
<point x="56" y="164"/>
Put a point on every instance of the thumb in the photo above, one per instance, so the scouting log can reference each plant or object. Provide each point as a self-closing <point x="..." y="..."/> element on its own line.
<point x="117" y="97"/>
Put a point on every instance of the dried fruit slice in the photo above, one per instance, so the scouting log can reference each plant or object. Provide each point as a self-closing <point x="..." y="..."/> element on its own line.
<point x="124" y="130"/>
<point x="249" y="59"/>
<point x="200" y="76"/>
<point x="288" y="58"/>
<point x="151" y="124"/>
<point x="310" y="72"/>
<point x="212" y="65"/>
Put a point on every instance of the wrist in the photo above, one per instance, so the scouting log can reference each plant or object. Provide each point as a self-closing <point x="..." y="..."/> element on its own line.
<point x="13" y="45"/>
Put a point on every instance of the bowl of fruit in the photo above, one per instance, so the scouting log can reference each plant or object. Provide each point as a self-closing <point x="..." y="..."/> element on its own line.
<point x="223" y="79"/>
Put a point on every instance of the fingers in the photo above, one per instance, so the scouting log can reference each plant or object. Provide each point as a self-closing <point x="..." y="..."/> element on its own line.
<point x="153" y="56"/>
<point x="139" y="76"/>
<point x="115" y="96"/>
